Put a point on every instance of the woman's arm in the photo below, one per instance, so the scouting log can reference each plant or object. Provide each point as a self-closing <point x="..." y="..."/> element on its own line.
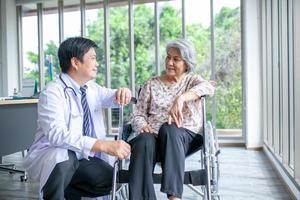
<point x="198" y="88"/>
<point x="201" y="86"/>
<point x="176" y="109"/>
<point x="139" y="117"/>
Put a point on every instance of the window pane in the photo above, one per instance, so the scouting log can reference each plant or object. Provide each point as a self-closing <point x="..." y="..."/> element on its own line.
<point x="95" y="31"/>
<point x="119" y="52"/>
<point x="291" y="86"/>
<point x="30" y="42"/>
<point x="198" y="32"/>
<point x="144" y="41"/>
<point x="51" y="40"/>
<point x="72" y="19"/>
<point x="170" y="25"/>
<point x="228" y="65"/>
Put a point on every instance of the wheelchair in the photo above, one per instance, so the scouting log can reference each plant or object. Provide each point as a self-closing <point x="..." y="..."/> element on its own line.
<point x="207" y="177"/>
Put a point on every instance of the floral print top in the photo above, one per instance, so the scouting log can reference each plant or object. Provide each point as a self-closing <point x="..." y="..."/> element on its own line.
<point x="156" y="99"/>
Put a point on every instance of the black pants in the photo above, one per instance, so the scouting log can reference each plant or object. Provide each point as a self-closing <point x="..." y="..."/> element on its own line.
<point x="73" y="179"/>
<point x="170" y="147"/>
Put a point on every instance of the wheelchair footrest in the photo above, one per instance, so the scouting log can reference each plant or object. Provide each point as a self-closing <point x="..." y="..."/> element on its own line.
<point x="196" y="177"/>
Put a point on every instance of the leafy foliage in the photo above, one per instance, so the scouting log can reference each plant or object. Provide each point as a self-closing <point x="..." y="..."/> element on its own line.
<point x="228" y="73"/>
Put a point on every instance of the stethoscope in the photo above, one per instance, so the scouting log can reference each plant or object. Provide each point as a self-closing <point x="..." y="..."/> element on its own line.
<point x="66" y="87"/>
<point x="68" y="97"/>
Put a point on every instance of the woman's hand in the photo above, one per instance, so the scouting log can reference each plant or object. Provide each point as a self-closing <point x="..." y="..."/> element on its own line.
<point x="147" y="129"/>
<point x="123" y="96"/>
<point x="175" y="113"/>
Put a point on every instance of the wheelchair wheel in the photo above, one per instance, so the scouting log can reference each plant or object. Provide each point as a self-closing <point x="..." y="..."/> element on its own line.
<point x="207" y="167"/>
<point x="211" y="163"/>
<point x="215" y="165"/>
<point x="122" y="194"/>
<point x="208" y="183"/>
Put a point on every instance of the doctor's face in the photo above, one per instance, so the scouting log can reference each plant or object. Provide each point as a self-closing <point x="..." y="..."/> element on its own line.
<point x="87" y="69"/>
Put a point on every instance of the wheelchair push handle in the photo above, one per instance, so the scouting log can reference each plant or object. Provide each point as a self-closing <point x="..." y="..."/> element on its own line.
<point x="133" y="100"/>
<point x="118" y="163"/>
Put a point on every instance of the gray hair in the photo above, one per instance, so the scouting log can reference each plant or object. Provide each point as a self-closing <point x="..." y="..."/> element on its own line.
<point x="186" y="50"/>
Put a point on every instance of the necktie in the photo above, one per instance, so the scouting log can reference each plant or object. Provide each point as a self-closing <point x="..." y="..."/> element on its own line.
<point x="87" y="120"/>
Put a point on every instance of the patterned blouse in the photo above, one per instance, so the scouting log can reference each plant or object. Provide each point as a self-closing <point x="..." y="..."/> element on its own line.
<point x="156" y="99"/>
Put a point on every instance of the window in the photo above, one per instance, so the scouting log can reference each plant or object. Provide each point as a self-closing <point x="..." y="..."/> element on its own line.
<point x="228" y="67"/>
<point x="144" y="37"/>
<point x="291" y="138"/>
<point x="95" y="31"/>
<point x="170" y="24"/>
<point x="198" y="32"/>
<point x="280" y="91"/>
<point x="30" y="43"/>
<point x="51" y="40"/>
<point x="227" y="44"/>
<point x="72" y="20"/>
<point x="119" y="52"/>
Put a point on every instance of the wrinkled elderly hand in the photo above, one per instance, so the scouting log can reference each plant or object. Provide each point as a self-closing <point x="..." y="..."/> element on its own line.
<point x="147" y="129"/>
<point x="123" y="96"/>
<point x="175" y="114"/>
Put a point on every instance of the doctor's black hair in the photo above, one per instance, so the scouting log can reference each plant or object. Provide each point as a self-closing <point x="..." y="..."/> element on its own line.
<point x="73" y="47"/>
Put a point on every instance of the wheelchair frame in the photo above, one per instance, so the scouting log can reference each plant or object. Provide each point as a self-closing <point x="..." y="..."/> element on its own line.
<point x="208" y="179"/>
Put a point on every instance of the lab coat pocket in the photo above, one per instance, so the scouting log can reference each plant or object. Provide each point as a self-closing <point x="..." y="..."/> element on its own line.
<point x="76" y="120"/>
<point x="97" y="114"/>
<point x="75" y="114"/>
<point x="75" y="110"/>
<point x="97" y="111"/>
<point x="76" y="125"/>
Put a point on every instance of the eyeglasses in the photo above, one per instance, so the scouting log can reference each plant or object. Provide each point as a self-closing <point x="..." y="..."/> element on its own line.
<point x="175" y="60"/>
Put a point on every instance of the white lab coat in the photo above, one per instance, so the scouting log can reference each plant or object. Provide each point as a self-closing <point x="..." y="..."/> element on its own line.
<point x="60" y="119"/>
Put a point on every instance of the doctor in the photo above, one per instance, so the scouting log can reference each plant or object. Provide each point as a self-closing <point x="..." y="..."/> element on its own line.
<point x="66" y="154"/>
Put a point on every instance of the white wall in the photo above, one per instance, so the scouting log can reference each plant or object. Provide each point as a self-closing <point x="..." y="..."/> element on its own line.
<point x="252" y="73"/>
<point x="8" y="44"/>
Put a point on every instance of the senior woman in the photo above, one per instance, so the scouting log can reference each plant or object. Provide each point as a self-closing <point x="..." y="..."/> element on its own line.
<point x="168" y="118"/>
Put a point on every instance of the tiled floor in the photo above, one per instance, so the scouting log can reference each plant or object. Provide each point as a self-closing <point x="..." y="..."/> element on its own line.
<point x="245" y="175"/>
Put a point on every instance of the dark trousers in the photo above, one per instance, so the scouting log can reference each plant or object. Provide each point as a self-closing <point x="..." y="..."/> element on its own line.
<point x="170" y="147"/>
<point x="75" y="178"/>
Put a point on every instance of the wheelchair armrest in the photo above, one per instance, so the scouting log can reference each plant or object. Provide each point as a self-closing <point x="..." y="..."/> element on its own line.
<point x="127" y="130"/>
<point x="128" y="134"/>
<point x="133" y="100"/>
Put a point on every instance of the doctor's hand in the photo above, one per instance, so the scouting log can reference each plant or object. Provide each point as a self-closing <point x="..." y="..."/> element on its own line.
<point x="123" y="96"/>
<point x="117" y="148"/>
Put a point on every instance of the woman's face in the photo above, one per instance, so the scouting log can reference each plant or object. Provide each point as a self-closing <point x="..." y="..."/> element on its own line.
<point x="175" y="65"/>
